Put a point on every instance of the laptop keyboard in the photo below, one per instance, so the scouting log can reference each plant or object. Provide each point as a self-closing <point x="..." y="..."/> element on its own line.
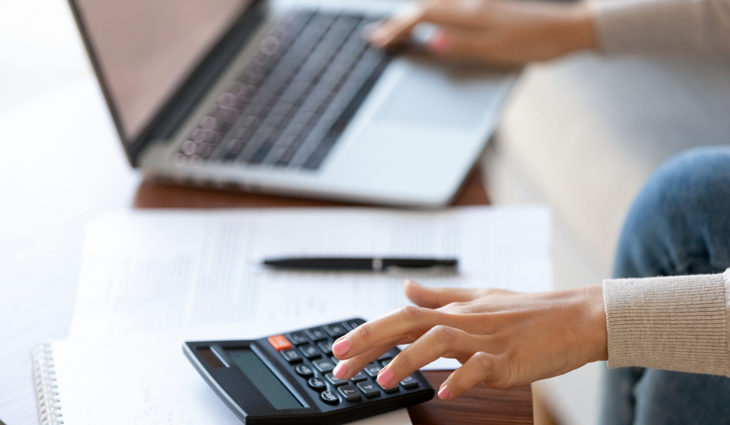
<point x="291" y="103"/>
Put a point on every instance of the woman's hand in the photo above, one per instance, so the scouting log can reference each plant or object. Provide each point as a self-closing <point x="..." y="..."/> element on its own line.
<point x="497" y="31"/>
<point x="502" y="338"/>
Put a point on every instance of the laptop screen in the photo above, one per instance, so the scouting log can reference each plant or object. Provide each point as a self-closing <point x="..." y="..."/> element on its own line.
<point x="146" y="48"/>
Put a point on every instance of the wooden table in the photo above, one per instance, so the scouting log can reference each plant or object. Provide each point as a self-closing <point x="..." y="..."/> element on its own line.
<point x="481" y="405"/>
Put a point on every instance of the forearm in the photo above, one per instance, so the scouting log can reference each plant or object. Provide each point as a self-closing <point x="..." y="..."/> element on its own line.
<point x="662" y="26"/>
<point x="675" y="323"/>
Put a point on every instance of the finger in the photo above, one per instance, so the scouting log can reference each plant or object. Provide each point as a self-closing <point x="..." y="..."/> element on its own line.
<point x="407" y="322"/>
<point x="480" y="367"/>
<point x="346" y="369"/>
<point x="439" y="341"/>
<point x="398" y="27"/>
<point x="461" y="13"/>
<point x="466" y="45"/>
<point x="437" y="297"/>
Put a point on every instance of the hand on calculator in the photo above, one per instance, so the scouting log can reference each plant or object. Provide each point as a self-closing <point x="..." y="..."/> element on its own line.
<point x="502" y="338"/>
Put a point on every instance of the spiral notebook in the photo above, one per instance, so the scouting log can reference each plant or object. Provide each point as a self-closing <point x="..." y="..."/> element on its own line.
<point x="132" y="381"/>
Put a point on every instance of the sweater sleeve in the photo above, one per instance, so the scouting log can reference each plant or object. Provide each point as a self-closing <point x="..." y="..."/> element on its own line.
<point x="663" y="26"/>
<point x="679" y="323"/>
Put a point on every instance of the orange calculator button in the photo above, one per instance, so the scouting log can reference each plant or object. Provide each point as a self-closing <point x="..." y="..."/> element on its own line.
<point x="279" y="342"/>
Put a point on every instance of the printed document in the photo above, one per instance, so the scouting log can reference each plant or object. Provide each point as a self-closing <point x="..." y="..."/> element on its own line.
<point x="169" y="269"/>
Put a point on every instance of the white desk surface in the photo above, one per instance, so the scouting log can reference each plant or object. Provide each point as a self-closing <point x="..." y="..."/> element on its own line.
<point x="61" y="165"/>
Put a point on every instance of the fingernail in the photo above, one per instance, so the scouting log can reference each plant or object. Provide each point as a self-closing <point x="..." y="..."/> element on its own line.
<point x="385" y="377"/>
<point x="444" y="393"/>
<point x="341" y="346"/>
<point x="340" y="370"/>
<point x="438" y="43"/>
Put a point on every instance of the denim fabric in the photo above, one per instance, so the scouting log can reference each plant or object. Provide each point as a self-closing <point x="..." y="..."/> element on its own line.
<point x="679" y="224"/>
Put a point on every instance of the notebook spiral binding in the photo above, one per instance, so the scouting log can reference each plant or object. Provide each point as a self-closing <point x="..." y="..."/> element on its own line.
<point x="46" y="388"/>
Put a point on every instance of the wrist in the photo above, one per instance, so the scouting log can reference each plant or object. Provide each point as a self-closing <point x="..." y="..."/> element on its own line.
<point x="580" y="28"/>
<point x="595" y="333"/>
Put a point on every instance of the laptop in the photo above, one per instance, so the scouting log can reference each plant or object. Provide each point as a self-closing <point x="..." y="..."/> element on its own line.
<point x="286" y="97"/>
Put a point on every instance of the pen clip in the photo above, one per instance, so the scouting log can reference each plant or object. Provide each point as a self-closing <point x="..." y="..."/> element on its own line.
<point x="419" y="270"/>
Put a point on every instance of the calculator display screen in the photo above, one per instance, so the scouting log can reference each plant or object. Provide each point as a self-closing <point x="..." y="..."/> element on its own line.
<point x="263" y="379"/>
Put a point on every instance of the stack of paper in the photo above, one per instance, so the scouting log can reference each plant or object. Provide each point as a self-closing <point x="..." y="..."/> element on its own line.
<point x="166" y="270"/>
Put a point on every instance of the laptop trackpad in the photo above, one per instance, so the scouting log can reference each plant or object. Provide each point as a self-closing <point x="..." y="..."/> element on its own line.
<point x="440" y="95"/>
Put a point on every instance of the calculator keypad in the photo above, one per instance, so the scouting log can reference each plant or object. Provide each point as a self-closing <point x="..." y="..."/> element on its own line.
<point x="297" y="338"/>
<point x="316" y="384"/>
<point x="304" y="370"/>
<point x="372" y="370"/>
<point x="325" y="346"/>
<point x="369" y="389"/>
<point x="335" y="330"/>
<point x="323" y="365"/>
<point x="334" y="381"/>
<point x="310" y="351"/>
<point x="349" y="392"/>
<point x="329" y="397"/>
<point x="409" y="383"/>
<point x="388" y="355"/>
<point x="291" y="355"/>
<point x="316" y="334"/>
<point x="311" y="357"/>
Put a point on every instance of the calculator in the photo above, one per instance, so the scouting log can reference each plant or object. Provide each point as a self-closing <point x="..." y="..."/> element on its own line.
<point x="287" y="378"/>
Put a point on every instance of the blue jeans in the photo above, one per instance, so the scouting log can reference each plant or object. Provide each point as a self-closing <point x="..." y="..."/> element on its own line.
<point x="679" y="224"/>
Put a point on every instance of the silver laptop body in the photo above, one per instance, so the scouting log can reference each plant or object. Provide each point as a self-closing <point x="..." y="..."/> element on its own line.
<point x="406" y="136"/>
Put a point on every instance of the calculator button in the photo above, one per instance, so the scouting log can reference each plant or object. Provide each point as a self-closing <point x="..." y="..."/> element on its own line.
<point x="409" y="383"/>
<point x="316" y="384"/>
<point x="388" y="355"/>
<point x="291" y="356"/>
<point x="279" y="342"/>
<point x="389" y="390"/>
<point x="334" y="381"/>
<point x="360" y="376"/>
<point x="323" y="365"/>
<point x="315" y="334"/>
<point x="385" y="362"/>
<point x="349" y="392"/>
<point x="310" y="351"/>
<point x="304" y="370"/>
<point x="352" y="324"/>
<point x="372" y="370"/>
<point x="335" y="330"/>
<point x="297" y="338"/>
<point x="325" y="346"/>
<point x="369" y="389"/>
<point x="329" y="397"/>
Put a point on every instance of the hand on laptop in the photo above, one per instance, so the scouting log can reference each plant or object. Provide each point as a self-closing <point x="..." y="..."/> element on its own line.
<point x="496" y="31"/>
<point x="502" y="338"/>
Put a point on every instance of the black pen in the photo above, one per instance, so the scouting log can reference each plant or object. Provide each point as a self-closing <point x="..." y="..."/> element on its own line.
<point x="375" y="264"/>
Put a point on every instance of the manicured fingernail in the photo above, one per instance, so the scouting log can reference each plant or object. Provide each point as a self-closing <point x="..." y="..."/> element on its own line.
<point x="438" y="43"/>
<point x="444" y="393"/>
<point x="340" y="370"/>
<point x="341" y="346"/>
<point x="385" y="377"/>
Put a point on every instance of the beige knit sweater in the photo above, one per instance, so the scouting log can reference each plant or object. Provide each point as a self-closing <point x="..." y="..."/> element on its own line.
<point x="663" y="26"/>
<point x="677" y="323"/>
